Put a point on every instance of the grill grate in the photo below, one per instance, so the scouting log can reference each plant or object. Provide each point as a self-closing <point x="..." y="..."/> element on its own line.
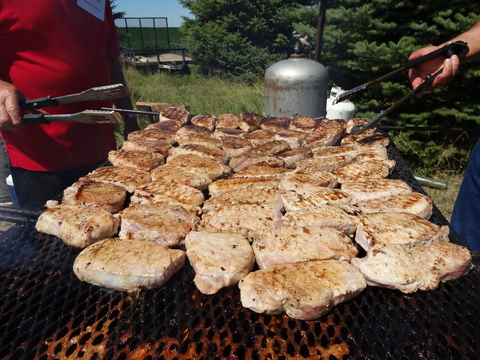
<point x="47" y="313"/>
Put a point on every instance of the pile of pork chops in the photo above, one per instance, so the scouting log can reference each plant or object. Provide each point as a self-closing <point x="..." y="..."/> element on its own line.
<point x="298" y="213"/>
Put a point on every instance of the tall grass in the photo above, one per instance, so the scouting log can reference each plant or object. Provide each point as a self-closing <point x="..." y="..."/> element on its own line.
<point x="201" y="95"/>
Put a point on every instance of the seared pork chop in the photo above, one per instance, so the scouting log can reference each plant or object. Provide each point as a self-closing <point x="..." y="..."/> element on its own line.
<point x="234" y="146"/>
<point x="222" y="131"/>
<point x="295" y="139"/>
<point x="241" y="219"/>
<point x="413" y="203"/>
<point x="345" y="154"/>
<point x="152" y="134"/>
<point x="305" y="290"/>
<point x="193" y="177"/>
<point x="77" y="225"/>
<point x="155" y="146"/>
<point x="210" y="152"/>
<point x="300" y="179"/>
<point x="129" y="178"/>
<point x="191" y="134"/>
<point x="261" y="171"/>
<point x="142" y="160"/>
<point x="246" y="195"/>
<point x="393" y="266"/>
<point x="327" y="133"/>
<point x="398" y="228"/>
<point x="310" y="198"/>
<point x="173" y="113"/>
<point x="206" y="120"/>
<point x="330" y="164"/>
<point x="342" y="218"/>
<point x="292" y="244"/>
<point x="172" y="193"/>
<point x="128" y="265"/>
<point x="240" y="162"/>
<point x="362" y="190"/>
<point x="376" y="169"/>
<point x="271" y="148"/>
<point x="209" y="167"/>
<point x="303" y="123"/>
<point x="171" y="126"/>
<point x="275" y="124"/>
<point x="219" y="259"/>
<point x="356" y="141"/>
<point x="95" y="194"/>
<point x="224" y="185"/>
<point x="250" y="121"/>
<point x="164" y="224"/>
<point x="358" y="122"/>
<point x="260" y="137"/>
<point x="372" y="152"/>
<point x="292" y="157"/>
<point x="229" y="121"/>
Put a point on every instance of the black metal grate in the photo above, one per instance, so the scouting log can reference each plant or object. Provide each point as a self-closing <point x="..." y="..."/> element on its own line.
<point x="47" y="313"/>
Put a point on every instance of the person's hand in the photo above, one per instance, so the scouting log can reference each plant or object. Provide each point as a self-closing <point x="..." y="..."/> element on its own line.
<point x="417" y="75"/>
<point x="10" y="114"/>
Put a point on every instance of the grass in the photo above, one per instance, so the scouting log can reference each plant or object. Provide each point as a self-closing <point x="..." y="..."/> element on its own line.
<point x="218" y="96"/>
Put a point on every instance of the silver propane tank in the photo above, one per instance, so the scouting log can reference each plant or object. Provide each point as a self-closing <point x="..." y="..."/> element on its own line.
<point x="296" y="86"/>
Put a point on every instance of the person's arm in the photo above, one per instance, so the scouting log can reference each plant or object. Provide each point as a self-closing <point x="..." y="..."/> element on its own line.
<point x="10" y="114"/>
<point x="130" y="122"/>
<point x="450" y="65"/>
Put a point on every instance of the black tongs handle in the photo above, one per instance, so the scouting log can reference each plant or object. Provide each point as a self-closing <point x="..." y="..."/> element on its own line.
<point x="458" y="48"/>
<point x="38" y="103"/>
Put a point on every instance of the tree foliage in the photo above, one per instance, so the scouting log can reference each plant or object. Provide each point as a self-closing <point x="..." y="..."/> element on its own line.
<point x="239" y="36"/>
<point x="364" y="40"/>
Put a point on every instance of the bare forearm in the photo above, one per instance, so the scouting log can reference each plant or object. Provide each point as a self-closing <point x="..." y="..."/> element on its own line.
<point x="472" y="38"/>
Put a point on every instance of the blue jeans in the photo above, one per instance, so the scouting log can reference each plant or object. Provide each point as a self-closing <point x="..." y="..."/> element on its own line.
<point x="466" y="213"/>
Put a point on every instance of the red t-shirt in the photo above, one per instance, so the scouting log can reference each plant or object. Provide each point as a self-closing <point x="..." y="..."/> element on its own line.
<point x="54" y="47"/>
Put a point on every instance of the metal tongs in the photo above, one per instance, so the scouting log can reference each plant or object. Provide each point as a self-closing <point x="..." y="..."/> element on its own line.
<point x="458" y="48"/>
<point x="108" y="92"/>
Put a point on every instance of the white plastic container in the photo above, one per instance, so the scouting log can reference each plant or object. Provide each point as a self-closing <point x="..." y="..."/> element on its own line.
<point x="344" y="110"/>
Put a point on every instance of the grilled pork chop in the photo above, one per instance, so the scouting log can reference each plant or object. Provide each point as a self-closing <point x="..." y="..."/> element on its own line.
<point x="229" y="121"/>
<point x="225" y="131"/>
<point x="206" y="120"/>
<point x="294" y="138"/>
<point x="393" y="266"/>
<point x="246" y="195"/>
<point x="173" y="193"/>
<point x="250" y="121"/>
<point x="376" y="169"/>
<point x="342" y="218"/>
<point x="302" y="123"/>
<point x="170" y="126"/>
<point x="164" y="224"/>
<point x="291" y="157"/>
<point x="129" y="178"/>
<point x="346" y="154"/>
<point x="241" y="219"/>
<point x="398" y="228"/>
<point x="155" y="146"/>
<point x="261" y="171"/>
<point x="292" y="244"/>
<point x="219" y="259"/>
<point x="153" y="134"/>
<point x="234" y="146"/>
<point x="128" y="265"/>
<point x="259" y="137"/>
<point x="95" y="194"/>
<point x="413" y="203"/>
<point x="330" y="164"/>
<point x="372" y="152"/>
<point x="310" y="198"/>
<point x="363" y="190"/>
<point x="305" y="290"/>
<point x="366" y="139"/>
<point x="142" y="160"/>
<point x="327" y="133"/>
<point x="224" y="185"/>
<point x="191" y="134"/>
<point x="275" y="124"/>
<point x="210" y="152"/>
<point x="209" y="167"/>
<point x="240" y="162"/>
<point x="77" y="225"/>
<point x="271" y="148"/>
<point x="173" y="113"/>
<point x="300" y="179"/>
<point x="358" y="122"/>
<point x="193" y="177"/>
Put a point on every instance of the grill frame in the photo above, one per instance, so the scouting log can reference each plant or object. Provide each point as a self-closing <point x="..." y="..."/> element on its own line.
<point x="47" y="313"/>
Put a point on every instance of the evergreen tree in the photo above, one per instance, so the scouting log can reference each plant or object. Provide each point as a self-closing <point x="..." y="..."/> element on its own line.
<point x="362" y="41"/>
<point x="239" y="36"/>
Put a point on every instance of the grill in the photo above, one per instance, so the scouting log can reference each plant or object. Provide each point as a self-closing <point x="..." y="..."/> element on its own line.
<point x="47" y="313"/>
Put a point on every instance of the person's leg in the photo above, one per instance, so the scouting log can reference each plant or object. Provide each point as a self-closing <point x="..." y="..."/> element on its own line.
<point x="34" y="188"/>
<point x="466" y="212"/>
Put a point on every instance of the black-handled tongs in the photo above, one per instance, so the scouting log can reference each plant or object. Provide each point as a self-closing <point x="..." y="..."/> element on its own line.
<point x="458" y="48"/>
<point x="108" y="92"/>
